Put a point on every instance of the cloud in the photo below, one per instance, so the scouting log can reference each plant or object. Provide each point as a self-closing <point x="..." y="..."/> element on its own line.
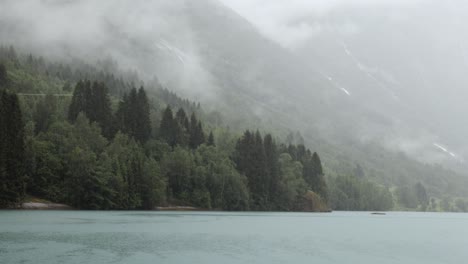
<point x="140" y="35"/>
<point x="285" y="21"/>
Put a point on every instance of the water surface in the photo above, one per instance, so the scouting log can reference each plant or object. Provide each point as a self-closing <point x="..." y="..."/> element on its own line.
<point x="212" y="237"/>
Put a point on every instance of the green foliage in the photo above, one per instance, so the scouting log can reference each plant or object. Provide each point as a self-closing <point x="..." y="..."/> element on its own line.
<point x="210" y="141"/>
<point x="93" y="100"/>
<point x="44" y="113"/>
<point x="3" y="76"/>
<point x="90" y="165"/>
<point x="291" y="185"/>
<point x="85" y="184"/>
<point x="276" y="180"/>
<point x="168" y="127"/>
<point x="12" y="151"/>
<point x="226" y="187"/>
<point x="353" y="194"/>
<point x="196" y="134"/>
<point x="133" y="115"/>
<point x="413" y="197"/>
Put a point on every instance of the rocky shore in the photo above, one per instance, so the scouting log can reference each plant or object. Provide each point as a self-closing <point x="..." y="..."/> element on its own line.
<point x="44" y="206"/>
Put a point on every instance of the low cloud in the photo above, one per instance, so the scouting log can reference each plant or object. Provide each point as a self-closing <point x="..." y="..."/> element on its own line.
<point x="288" y="22"/>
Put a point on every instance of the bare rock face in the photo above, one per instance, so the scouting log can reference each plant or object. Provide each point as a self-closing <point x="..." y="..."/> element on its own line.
<point x="45" y="206"/>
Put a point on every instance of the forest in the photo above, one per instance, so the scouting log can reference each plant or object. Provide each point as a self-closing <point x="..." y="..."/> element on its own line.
<point x="94" y="139"/>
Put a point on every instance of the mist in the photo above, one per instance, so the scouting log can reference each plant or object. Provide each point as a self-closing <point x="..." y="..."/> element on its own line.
<point x="138" y="35"/>
<point x="420" y="35"/>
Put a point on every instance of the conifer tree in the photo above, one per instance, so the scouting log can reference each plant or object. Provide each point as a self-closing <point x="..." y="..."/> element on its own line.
<point x="182" y="119"/>
<point x="133" y="115"/>
<point x="143" y="126"/>
<point x="77" y="104"/>
<point x="167" y="127"/>
<point x="100" y="108"/>
<point x="3" y="76"/>
<point x="210" y="141"/>
<point x="250" y="159"/>
<point x="272" y="156"/>
<point x="44" y="114"/>
<point x="182" y="128"/>
<point x="93" y="100"/>
<point x="197" y="136"/>
<point x="12" y="150"/>
<point x="313" y="174"/>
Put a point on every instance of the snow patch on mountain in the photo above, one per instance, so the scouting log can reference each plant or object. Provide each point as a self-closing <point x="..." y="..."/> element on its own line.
<point x="444" y="149"/>
<point x="165" y="45"/>
<point x="336" y="84"/>
<point x="366" y="70"/>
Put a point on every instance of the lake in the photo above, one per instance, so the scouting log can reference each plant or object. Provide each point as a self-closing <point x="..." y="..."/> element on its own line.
<point x="217" y="237"/>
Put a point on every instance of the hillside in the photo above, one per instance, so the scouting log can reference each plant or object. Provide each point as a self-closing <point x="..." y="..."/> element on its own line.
<point x="247" y="81"/>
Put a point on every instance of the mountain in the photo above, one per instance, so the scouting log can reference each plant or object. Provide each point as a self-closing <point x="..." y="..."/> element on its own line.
<point x="354" y="94"/>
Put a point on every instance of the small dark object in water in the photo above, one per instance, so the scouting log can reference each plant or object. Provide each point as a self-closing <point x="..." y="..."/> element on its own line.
<point x="378" y="213"/>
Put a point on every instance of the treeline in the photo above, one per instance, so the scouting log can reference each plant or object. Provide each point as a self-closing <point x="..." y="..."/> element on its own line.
<point x="102" y="154"/>
<point x="150" y="149"/>
<point x="279" y="177"/>
<point x="352" y="193"/>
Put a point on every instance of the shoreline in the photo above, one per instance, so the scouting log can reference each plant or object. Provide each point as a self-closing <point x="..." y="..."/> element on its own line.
<point x="44" y="206"/>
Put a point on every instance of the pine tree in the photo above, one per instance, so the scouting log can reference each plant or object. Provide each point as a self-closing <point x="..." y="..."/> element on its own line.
<point x="197" y="136"/>
<point x="210" y="140"/>
<point x="250" y="159"/>
<point x="12" y="151"/>
<point x="182" y="128"/>
<point x="260" y="174"/>
<point x="99" y="110"/>
<point x="44" y="114"/>
<point x="143" y="124"/>
<point x="316" y="179"/>
<point x="182" y="119"/>
<point x="3" y="76"/>
<point x="167" y="127"/>
<point x="133" y="115"/>
<point x="272" y="156"/>
<point x="93" y="100"/>
<point x="77" y="104"/>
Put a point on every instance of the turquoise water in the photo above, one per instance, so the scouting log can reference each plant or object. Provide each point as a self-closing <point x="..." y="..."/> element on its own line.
<point x="211" y="237"/>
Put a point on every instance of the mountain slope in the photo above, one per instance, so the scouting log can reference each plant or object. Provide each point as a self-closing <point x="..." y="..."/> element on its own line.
<point x="336" y="97"/>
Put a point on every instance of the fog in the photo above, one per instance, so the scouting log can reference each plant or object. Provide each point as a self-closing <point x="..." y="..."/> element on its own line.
<point x="139" y="35"/>
<point x="408" y="57"/>
<point x="387" y="71"/>
<point x="286" y="22"/>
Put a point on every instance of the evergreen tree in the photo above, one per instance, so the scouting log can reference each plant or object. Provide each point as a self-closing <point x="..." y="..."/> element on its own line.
<point x="197" y="136"/>
<point x="250" y="160"/>
<point x="167" y="127"/>
<point x="12" y="150"/>
<point x="143" y="123"/>
<point x="421" y="195"/>
<point x="182" y="128"/>
<point x="314" y="177"/>
<point x="210" y="141"/>
<point x="133" y="115"/>
<point x="100" y="110"/>
<point x="93" y="100"/>
<point x="272" y="156"/>
<point x="3" y="76"/>
<point x="44" y="114"/>
<point x="86" y="186"/>
<point x="182" y="119"/>
<point x="78" y="102"/>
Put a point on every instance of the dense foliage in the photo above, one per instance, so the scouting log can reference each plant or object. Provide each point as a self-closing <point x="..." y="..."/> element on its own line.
<point x="81" y="135"/>
<point x="93" y="150"/>
<point x="12" y="150"/>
